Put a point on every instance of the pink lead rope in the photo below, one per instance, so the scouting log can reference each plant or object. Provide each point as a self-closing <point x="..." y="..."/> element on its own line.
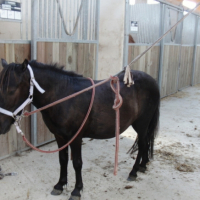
<point x="117" y="104"/>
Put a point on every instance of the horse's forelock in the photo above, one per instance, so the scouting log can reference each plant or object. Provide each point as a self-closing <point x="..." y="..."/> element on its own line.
<point x="5" y="76"/>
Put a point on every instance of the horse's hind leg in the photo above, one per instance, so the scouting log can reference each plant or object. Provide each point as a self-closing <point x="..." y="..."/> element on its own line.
<point x="147" y="131"/>
<point x="142" y="149"/>
<point x="145" y="156"/>
<point x="77" y="164"/>
<point x="63" y="158"/>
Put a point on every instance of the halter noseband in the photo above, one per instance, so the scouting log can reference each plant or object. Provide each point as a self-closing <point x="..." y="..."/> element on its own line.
<point x="29" y="100"/>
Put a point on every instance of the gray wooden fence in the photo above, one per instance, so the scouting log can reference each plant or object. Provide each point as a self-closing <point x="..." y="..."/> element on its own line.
<point x="174" y="62"/>
<point x="41" y="36"/>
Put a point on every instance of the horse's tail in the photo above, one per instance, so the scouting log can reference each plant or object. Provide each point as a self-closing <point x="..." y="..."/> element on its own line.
<point x="151" y="133"/>
<point x="153" y="130"/>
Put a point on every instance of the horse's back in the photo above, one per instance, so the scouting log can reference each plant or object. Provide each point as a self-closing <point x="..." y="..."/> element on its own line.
<point x="139" y="99"/>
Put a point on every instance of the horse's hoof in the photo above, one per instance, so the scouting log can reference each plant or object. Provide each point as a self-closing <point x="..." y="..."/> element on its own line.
<point x="74" y="198"/>
<point x="56" y="192"/>
<point x="142" y="169"/>
<point x="131" y="178"/>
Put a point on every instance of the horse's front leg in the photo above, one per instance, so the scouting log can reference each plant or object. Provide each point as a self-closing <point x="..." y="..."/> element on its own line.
<point x="63" y="158"/>
<point x="77" y="164"/>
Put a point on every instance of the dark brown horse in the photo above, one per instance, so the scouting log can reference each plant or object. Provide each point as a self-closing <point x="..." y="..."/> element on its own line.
<point x="140" y="109"/>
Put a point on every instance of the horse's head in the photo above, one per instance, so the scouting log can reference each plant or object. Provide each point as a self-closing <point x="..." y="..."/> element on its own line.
<point x="12" y="91"/>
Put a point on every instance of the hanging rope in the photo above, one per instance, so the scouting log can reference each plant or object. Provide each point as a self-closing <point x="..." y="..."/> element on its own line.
<point x="63" y="21"/>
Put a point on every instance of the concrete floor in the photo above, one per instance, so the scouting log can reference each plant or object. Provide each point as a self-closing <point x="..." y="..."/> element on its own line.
<point x="173" y="174"/>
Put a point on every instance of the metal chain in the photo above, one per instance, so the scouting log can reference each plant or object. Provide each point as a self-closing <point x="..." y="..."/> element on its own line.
<point x="139" y="56"/>
<point x="63" y="21"/>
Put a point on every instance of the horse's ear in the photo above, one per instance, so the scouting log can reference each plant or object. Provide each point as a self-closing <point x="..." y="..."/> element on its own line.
<point x="3" y="62"/>
<point x="24" y="65"/>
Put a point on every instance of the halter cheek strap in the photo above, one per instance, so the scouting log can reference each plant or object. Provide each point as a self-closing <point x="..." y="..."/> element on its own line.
<point x="33" y="83"/>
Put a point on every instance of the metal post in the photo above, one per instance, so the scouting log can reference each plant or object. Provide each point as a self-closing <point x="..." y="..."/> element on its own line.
<point x="85" y="20"/>
<point x="126" y="33"/>
<point x="34" y="23"/>
<point x="180" y="50"/>
<point x="162" y="29"/>
<point x="195" y="50"/>
<point x="97" y="36"/>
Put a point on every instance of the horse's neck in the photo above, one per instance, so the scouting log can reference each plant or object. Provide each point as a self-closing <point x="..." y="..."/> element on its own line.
<point x="50" y="82"/>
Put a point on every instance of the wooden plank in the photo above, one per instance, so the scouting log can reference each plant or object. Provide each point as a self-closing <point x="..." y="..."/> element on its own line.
<point x="80" y="58"/>
<point x="130" y="53"/>
<point x="12" y="140"/>
<point x="92" y="60"/>
<point x="141" y="61"/>
<point x="197" y="67"/>
<point x="40" y="129"/>
<point x="4" y="144"/>
<point x="69" y="56"/>
<point x="74" y="57"/>
<point x="87" y="70"/>
<point x="12" y="135"/>
<point x="155" y="54"/>
<point x="186" y="66"/>
<point x="148" y="62"/>
<point x="55" y="58"/>
<point x="190" y="65"/>
<point x="22" y="51"/>
<point x="48" y="60"/>
<point x="63" y="53"/>
<point x="26" y="128"/>
<point x="41" y="49"/>
<point x="48" y="52"/>
<point x="165" y="71"/>
<point x="172" y="70"/>
<point x="44" y="55"/>
<point x="2" y="54"/>
<point x="4" y="148"/>
<point x="9" y="53"/>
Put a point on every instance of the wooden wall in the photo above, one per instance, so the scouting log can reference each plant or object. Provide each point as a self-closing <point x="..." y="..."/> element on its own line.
<point x="170" y="69"/>
<point x="149" y="63"/>
<point x="11" y="142"/>
<point x="77" y="57"/>
<point x="197" y="69"/>
<point x="185" y="73"/>
<point x="80" y="58"/>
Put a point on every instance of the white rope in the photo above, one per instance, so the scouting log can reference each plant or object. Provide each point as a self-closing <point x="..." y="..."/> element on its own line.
<point x="63" y="21"/>
<point x="127" y="77"/>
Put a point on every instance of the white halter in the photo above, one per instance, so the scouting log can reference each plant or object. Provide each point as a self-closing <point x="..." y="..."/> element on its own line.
<point x="33" y="83"/>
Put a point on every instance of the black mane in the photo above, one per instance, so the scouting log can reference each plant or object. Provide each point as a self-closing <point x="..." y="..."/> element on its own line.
<point x="55" y="67"/>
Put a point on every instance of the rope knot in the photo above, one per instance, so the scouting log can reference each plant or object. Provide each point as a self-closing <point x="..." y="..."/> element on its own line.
<point x="118" y="99"/>
<point x="127" y="77"/>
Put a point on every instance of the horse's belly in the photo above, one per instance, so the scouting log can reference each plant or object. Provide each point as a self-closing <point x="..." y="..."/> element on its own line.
<point x="106" y="129"/>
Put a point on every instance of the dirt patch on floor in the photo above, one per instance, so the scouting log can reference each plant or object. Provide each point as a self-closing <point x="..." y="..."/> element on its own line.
<point x="174" y="155"/>
<point x="180" y="94"/>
